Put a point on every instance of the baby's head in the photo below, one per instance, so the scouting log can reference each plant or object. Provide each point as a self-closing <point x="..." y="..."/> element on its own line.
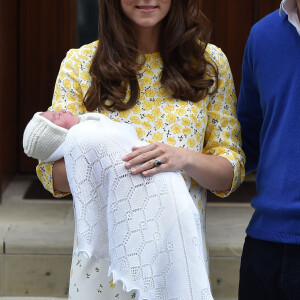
<point x="61" y="118"/>
<point x="46" y="131"/>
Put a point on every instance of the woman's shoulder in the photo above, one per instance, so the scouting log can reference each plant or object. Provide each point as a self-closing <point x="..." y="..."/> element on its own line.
<point x="84" y="53"/>
<point x="215" y="55"/>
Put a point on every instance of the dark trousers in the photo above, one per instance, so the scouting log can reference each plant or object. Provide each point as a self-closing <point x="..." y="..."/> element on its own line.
<point x="269" y="271"/>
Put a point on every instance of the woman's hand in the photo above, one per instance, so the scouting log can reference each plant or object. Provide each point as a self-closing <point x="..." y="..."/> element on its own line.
<point x="210" y="171"/>
<point x="149" y="157"/>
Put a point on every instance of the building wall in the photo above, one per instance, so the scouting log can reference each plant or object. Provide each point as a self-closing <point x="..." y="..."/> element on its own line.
<point x="35" y="36"/>
<point x="8" y="91"/>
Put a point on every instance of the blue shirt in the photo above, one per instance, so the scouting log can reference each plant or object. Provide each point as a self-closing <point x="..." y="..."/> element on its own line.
<point x="269" y="113"/>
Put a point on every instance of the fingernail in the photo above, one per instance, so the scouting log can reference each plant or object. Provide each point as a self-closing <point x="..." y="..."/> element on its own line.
<point x="127" y="165"/>
<point x="132" y="171"/>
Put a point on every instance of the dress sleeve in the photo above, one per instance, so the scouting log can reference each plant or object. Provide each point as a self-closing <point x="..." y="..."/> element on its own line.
<point x="223" y="134"/>
<point x="70" y="88"/>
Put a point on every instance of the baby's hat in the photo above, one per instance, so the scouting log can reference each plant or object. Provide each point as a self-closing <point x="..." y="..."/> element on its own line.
<point x="42" y="137"/>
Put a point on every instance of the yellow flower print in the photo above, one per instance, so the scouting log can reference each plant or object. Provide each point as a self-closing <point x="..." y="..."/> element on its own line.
<point x="198" y="125"/>
<point x="71" y="273"/>
<point x="232" y="122"/>
<point x="58" y="96"/>
<point x="135" y="120"/>
<point x="157" y="137"/>
<point x="159" y="123"/>
<point x="191" y="143"/>
<point x="185" y="121"/>
<point x="168" y="108"/>
<point x="124" y="114"/>
<point x="59" y="107"/>
<point x="71" y="97"/>
<point x="221" y="84"/>
<point x="77" y="67"/>
<point x="156" y="55"/>
<point x="170" y="100"/>
<point x="136" y="109"/>
<point x="225" y="144"/>
<point x="194" y="110"/>
<point x="197" y="137"/>
<point x="76" y="86"/>
<point x="85" y="76"/>
<point x="171" y="118"/>
<point x="180" y="111"/>
<point x="186" y="131"/>
<point x="156" y="112"/>
<point x="194" y="118"/>
<point x="175" y="128"/>
<point x="224" y="122"/>
<point x="217" y="106"/>
<point x="235" y="130"/>
<point x="171" y="141"/>
<point x="214" y="145"/>
<point x="147" y="80"/>
<point x="72" y="74"/>
<point x="149" y="72"/>
<point x="157" y="102"/>
<point x="147" y="105"/>
<point x="156" y="84"/>
<point x="150" y="117"/>
<point x="194" y="182"/>
<point x="67" y="84"/>
<point x="162" y="92"/>
<point x="140" y="132"/>
<point x="150" y="93"/>
<point x="154" y="64"/>
<point x="87" y="52"/>
<point x="199" y="204"/>
<point x="62" y="75"/>
<point x="84" y="88"/>
<point x="211" y="128"/>
<point x="71" y="107"/>
<point x="69" y="65"/>
<point x="146" y="125"/>
<point x="48" y="168"/>
<point x="112" y="285"/>
<point x="88" y="65"/>
<point x="182" y="103"/>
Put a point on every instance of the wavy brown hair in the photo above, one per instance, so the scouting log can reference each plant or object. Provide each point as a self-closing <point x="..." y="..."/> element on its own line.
<point x="115" y="65"/>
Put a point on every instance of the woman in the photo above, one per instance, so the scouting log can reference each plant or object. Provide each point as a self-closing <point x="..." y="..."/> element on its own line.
<point x="153" y="68"/>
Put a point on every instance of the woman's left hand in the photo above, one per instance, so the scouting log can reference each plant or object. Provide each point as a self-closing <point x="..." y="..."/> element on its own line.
<point x="155" y="158"/>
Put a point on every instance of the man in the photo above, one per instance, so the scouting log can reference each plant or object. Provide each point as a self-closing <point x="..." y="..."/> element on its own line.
<point x="269" y="112"/>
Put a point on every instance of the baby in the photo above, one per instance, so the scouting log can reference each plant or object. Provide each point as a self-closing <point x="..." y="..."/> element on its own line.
<point x="137" y="223"/>
<point x="46" y="132"/>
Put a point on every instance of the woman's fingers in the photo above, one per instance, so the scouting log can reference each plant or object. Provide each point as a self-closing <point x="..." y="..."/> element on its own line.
<point x="154" y="158"/>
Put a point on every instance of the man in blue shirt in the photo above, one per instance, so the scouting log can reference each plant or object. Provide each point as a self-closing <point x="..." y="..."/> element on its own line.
<point x="269" y="113"/>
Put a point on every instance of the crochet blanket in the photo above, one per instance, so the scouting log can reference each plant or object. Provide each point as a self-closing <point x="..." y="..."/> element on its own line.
<point x="147" y="227"/>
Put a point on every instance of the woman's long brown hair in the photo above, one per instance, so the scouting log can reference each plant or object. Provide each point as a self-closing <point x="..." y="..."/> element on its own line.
<point x="115" y="65"/>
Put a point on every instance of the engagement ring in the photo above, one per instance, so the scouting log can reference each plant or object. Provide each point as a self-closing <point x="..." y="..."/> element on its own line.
<point x="157" y="163"/>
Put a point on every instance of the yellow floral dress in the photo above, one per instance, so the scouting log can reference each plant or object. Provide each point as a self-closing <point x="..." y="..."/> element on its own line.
<point x="209" y="126"/>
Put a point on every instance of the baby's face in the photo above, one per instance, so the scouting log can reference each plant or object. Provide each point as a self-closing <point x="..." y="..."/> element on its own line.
<point x="61" y="118"/>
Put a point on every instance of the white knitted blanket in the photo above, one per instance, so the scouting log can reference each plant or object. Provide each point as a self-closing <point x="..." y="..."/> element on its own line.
<point x="147" y="227"/>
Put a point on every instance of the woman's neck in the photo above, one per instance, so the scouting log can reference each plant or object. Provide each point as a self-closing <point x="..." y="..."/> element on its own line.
<point x="147" y="39"/>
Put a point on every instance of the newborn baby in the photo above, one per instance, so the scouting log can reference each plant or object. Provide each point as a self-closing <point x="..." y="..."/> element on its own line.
<point x="147" y="227"/>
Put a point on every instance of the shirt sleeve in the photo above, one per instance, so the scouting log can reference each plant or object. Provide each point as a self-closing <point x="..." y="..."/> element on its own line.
<point x="223" y="133"/>
<point x="70" y="88"/>
<point x="249" y="110"/>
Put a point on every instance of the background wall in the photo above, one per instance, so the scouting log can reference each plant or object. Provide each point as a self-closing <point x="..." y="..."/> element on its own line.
<point x="8" y="90"/>
<point x="35" y="36"/>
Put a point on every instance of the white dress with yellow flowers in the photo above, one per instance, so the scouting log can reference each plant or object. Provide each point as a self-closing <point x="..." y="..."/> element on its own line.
<point x="209" y="126"/>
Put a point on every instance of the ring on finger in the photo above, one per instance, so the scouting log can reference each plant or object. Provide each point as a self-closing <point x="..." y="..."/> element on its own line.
<point x="157" y="162"/>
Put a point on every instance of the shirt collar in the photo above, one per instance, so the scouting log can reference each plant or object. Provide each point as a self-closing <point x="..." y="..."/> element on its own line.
<point x="291" y="9"/>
